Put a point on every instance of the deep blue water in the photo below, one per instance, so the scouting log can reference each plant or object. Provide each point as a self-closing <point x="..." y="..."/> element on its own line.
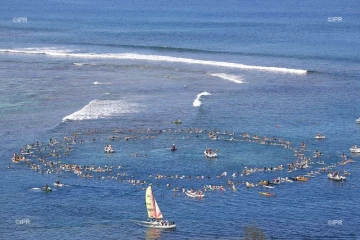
<point x="140" y="65"/>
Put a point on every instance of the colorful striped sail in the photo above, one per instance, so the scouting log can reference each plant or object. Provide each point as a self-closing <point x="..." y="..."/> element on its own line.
<point x="151" y="205"/>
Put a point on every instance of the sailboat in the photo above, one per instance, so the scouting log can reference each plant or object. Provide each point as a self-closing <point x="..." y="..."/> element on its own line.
<point x="154" y="214"/>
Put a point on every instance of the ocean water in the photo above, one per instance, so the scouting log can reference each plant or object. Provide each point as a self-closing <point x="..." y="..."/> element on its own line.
<point x="122" y="69"/>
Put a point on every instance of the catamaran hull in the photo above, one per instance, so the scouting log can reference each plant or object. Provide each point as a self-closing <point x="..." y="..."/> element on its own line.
<point x="160" y="226"/>
<point x="210" y="155"/>
<point x="155" y="225"/>
<point x="355" y="150"/>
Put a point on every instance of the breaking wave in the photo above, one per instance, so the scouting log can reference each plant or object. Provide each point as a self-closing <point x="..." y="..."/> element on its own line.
<point x="101" y="109"/>
<point x="197" y="102"/>
<point x="133" y="56"/>
<point x="233" y="78"/>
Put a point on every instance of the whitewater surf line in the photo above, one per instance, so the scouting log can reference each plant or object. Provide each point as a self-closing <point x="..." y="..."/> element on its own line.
<point x="101" y="109"/>
<point x="158" y="58"/>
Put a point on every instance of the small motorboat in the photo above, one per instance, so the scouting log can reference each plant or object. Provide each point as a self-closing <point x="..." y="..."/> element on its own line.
<point x="354" y="149"/>
<point x="358" y="120"/>
<point x="319" y="136"/>
<point x="58" y="184"/>
<point x="335" y="176"/>
<point x="210" y="154"/>
<point x="109" y="149"/>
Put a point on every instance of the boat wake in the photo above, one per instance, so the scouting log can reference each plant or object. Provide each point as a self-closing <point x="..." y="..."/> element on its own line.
<point x="35" y="189"/>
<point x="233" y="78"/>
<point x="101" y="83"/>
<point x="197" y="102"/>
<point x="101" y="109"/>
<point x="145" y="57"/>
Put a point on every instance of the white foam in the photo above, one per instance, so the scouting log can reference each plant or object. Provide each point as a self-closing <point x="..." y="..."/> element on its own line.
<point x="47" y="51"/>
<point x="84" y="64"/>
<point x="101" y="109"/>
<point x="197" y="102"/>
<point x="233" y="78"/>
<point x="101" y="83"/>
<point x="132" y="56"/>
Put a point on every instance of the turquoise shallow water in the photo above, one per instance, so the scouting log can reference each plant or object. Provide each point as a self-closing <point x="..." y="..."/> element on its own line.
<point x="141" y="66"/>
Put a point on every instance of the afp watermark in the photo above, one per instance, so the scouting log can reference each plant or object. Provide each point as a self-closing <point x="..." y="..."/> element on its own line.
<point x="335" y="222"/>
<point x="20" y="20"/>
<point x="334" y="19"/>
<point x="24" y="221"/>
